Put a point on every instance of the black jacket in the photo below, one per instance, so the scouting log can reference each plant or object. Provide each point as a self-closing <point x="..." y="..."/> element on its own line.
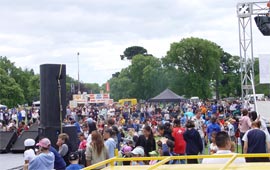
<point x="148" y="145"/>
<point x="193" y="140"/>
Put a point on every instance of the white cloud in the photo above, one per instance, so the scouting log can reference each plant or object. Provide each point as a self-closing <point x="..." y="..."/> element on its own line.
<point x="38" y="32"/>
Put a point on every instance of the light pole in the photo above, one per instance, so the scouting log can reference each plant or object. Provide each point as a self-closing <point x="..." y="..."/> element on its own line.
<point x="78" y="73"/>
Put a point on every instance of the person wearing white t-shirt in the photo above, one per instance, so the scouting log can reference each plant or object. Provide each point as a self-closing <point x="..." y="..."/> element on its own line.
<point x="29" y="153"/>
<point x="23" y="113"/>
<point x="223" y="143"/>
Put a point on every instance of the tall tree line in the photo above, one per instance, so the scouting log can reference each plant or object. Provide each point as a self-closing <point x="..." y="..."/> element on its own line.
<point x="192" y="67"/>
<point x="22" y="86"/>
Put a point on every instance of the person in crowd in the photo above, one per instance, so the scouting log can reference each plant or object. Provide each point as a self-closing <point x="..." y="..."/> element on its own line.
<point x="83" y="142"/>
<point x="91" y="127"/>
<point x="96" y="151"/>
<point x="23" y="113"/>
<point x="231" y="129"/>
<point x="137" y="152"/>
<point x="29" y="153"/>
<point x="59" y="162"/>
<point x="179" y="141"/>
<point x="194" y="144"/>
<point x="45" y="158"/>
<point x="77" y="125"/>
<point x="21" y="128"/>
<point x="244" y="125"/>
<point x="109" y="142"/>
<point x="82" y="148"/>
<point x="199" y="124"/>
<point x="35" y="116"/>
<point x="256" y="141"/>
<point x="64" y="149"/>
<point x="212" y="127"/>
<point x="165" y="131"/>
<point x="73" y="158"/>
<point x="166" y="148"/>
<point x="213" y="146"/>
<point x="14" y="116"/>
<point x="116" y="135"/>
<point x="223" y="142"/>
<point x="147" y="140"/>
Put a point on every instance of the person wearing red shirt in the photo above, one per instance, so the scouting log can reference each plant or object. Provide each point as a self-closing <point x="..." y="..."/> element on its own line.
<point x="83" y="142"/>
<point x="180" y="143"/>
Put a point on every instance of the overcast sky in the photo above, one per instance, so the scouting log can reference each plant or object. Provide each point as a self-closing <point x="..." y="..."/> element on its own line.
<point x="35" y="32"/>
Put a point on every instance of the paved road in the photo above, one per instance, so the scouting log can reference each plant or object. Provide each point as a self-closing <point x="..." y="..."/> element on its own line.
<point x="11" y="161"/>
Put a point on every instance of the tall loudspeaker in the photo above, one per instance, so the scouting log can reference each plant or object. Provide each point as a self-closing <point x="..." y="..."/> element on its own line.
<point x="263" y="23"/>
<point x="51" y="90"/>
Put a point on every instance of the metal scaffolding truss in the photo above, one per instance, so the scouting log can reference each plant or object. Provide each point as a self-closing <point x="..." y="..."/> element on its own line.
<point x="245" y="11"/>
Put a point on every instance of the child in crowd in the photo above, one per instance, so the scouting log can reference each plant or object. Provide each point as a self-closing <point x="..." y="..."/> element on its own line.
<point x="74" y="161"/>
<point x="137" y="152"/>
<point x="29" y="153"/>
<point x="166" y="148"/>
<point x="213" y="147"/>
<point x="153" y="154"/>
<point x="63" y="147"/>
<point x="83" y="142"/>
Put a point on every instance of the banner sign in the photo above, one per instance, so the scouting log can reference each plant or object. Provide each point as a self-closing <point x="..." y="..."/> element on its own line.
<point x="264" y="68"/>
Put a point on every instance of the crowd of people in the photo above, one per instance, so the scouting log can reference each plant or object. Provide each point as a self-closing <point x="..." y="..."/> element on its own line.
<point x="210" y="127"/>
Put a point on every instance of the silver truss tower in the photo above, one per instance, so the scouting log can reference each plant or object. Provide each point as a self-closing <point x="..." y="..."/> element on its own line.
<point x="245" y="11"/>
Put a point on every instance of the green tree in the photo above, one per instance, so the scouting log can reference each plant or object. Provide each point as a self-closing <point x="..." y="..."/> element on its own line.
<point x="197" y="61"/>
<point x="21" y="77"/>
<point x="230" y="80"/>
<point x="121" y="86"/>
<point x="143" y="79"/>
<point x="92" y="87"/>
<point x="34" y="88"/>
<point x="147" y="76"/>
<point x="10" y="92"/>
<point x="130" y="52"/>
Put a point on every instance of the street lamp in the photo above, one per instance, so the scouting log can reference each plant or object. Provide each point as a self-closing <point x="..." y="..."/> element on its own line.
<point x="78" y="73"/>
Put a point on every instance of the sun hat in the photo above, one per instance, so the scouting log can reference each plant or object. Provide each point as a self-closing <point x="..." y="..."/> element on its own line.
<point x="29" y="142"/>
<point x="138" y="151"/>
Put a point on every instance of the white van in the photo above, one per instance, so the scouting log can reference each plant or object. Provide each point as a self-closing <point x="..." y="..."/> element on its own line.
<point x="194" y="99"/>
<point x="36" y="104"/>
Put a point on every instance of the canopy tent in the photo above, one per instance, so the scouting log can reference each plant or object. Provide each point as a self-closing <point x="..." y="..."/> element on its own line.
<point x="167" y="96"/>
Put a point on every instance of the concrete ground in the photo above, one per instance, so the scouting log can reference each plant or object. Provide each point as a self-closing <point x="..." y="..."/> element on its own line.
<point x="10" y="161"/>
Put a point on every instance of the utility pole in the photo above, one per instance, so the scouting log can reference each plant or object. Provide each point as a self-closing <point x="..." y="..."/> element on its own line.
<point x="79" y="90"/>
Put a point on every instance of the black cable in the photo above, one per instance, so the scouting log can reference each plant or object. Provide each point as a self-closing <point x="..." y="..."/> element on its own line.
<point x="60" y="99"/>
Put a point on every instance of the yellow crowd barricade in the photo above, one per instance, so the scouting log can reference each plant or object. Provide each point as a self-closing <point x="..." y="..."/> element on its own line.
<point x="164" y="159"/>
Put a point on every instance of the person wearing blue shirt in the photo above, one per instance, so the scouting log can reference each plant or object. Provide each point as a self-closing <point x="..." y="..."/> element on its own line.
<point x="59" y="163"/>
<point x="74" y="161"/>
<point x="109" y="142"/>
<point x="214" y="108"/>
<point x="212" y="127"/>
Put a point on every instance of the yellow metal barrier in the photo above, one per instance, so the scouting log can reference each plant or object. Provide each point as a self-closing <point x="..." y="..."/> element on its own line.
<point x="162" y="160"/>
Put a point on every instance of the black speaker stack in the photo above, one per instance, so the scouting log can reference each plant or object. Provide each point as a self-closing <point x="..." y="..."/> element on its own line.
<point x="53" y="104"/>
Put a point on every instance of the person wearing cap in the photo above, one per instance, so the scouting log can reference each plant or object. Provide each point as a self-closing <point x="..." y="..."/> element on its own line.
<point x="45" y="159"/>
<point x="137" y="152"/>
<point x="73" y="158"/>
<point x="29" y="153"/>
